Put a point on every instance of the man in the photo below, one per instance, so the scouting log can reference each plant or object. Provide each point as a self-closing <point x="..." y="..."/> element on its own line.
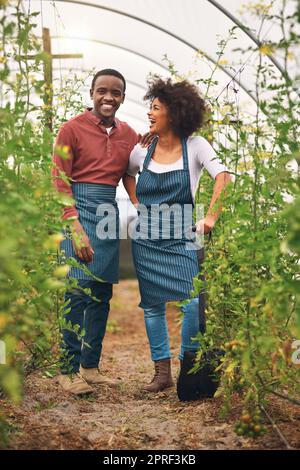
<point x="99" y="147"/>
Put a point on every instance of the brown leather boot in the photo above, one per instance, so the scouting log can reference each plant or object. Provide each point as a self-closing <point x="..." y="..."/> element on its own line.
<point x="162" y="377"/>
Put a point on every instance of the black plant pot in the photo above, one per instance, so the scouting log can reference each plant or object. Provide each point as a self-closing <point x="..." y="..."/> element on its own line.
<point x="202" y="384"/>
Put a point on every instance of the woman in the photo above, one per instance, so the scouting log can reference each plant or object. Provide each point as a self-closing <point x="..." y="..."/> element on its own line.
<point x="169" y="175"/>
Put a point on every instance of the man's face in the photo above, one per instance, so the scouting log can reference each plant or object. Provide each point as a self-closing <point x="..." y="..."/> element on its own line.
<point x="107" y="95"/>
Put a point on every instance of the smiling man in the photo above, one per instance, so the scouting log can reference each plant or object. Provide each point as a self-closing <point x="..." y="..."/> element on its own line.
<point x="98" y="147"/>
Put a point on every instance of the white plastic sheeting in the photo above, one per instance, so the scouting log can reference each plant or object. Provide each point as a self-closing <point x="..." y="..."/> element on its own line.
<point x="134" y="36"/>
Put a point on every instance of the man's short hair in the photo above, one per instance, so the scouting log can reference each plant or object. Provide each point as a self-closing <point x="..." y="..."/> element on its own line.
<point x="112" y="72"/>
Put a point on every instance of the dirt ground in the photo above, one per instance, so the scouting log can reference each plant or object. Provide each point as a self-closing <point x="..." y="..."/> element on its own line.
<point x="125" y="417"/>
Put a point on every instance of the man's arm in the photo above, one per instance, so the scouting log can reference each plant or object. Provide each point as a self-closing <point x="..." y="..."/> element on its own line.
<point x="205" y="225"/>
<point x="62" y="174"/>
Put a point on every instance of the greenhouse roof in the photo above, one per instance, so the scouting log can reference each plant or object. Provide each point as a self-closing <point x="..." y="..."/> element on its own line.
<point x="139" y="37"/>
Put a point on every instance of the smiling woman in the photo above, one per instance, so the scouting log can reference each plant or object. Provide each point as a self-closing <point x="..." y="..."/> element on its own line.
<point x="165" y="262"/>
<point x="180" y="101"/>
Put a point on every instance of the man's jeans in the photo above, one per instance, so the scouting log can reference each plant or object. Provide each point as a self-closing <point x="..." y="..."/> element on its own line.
<point x="157" y="330"/>
<point x="91" y="316"/>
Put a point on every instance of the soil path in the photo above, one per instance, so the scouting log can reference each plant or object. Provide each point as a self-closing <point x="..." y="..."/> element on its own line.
<point x="126" y="418"/>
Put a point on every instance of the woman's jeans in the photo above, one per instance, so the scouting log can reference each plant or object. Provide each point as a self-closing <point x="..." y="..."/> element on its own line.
<point x="91" y="316"/>
<point x="157" y="329"/>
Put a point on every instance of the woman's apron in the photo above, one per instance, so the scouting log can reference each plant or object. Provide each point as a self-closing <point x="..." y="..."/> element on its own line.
<point x="165" y="267"/>
<point x="105" y="263"/>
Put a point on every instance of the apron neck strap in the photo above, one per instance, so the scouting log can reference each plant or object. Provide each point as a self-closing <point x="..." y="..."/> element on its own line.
<point x="152" y="148"/>
<point x="150" y="152"/>
<point x="184" y="153"/>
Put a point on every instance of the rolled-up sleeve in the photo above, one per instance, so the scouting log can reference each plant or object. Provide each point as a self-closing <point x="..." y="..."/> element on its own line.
<point x="209" y="158"/>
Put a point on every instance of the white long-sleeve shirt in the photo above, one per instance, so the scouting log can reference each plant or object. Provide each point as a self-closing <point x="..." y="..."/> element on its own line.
<point x="200" y="155"/>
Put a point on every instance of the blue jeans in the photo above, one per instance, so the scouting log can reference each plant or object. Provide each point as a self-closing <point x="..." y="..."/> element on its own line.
<point x="91" y="316"/>
<point x="157" y="330"/>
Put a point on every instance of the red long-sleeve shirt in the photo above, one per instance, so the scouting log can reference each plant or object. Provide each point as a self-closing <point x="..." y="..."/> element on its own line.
<point x="94" y="155"/>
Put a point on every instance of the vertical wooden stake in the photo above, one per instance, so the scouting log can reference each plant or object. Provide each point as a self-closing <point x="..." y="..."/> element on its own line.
<point x="48" y="77"/>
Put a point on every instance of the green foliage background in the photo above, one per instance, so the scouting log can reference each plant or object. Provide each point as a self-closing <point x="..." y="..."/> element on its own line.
<point x="252" y="265"/>
<point x="32" y="284"/>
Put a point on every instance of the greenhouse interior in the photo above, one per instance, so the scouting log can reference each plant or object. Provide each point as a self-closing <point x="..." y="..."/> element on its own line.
<point x="150" y="224"/>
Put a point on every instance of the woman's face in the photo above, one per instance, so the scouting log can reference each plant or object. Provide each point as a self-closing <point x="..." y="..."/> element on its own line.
<point x="158" y="117"/>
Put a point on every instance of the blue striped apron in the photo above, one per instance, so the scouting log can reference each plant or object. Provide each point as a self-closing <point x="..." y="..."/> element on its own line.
<point x="105" y="263"/>
<point x="165" y="268"/>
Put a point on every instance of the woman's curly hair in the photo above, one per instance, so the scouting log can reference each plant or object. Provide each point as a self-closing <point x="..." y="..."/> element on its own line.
<point x="185" y="105"/>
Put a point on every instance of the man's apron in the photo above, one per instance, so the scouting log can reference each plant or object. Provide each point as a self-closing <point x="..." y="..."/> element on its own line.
<point x="105" y="264"/>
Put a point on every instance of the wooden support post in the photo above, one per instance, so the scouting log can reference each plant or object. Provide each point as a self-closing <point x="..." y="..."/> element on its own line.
<point x="48" y="74"/>
<point x="48" y="94"/>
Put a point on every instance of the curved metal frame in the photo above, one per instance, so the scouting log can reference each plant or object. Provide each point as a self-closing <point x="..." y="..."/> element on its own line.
<point x="76" y="69"/>
<point x="159" y="28"/>
<point x="106" y="43"/>
<point x="246" y="31"/>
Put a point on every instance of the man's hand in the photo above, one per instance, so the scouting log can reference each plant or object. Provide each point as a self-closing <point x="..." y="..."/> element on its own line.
<point x="146" y="139"/>
<point x="204" y="226"/>
<point x="81" y="242"/>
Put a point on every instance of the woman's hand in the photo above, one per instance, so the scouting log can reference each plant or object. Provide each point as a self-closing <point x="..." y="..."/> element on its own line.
<point x="204" y="226"/>
<point x="81" y="242"/>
